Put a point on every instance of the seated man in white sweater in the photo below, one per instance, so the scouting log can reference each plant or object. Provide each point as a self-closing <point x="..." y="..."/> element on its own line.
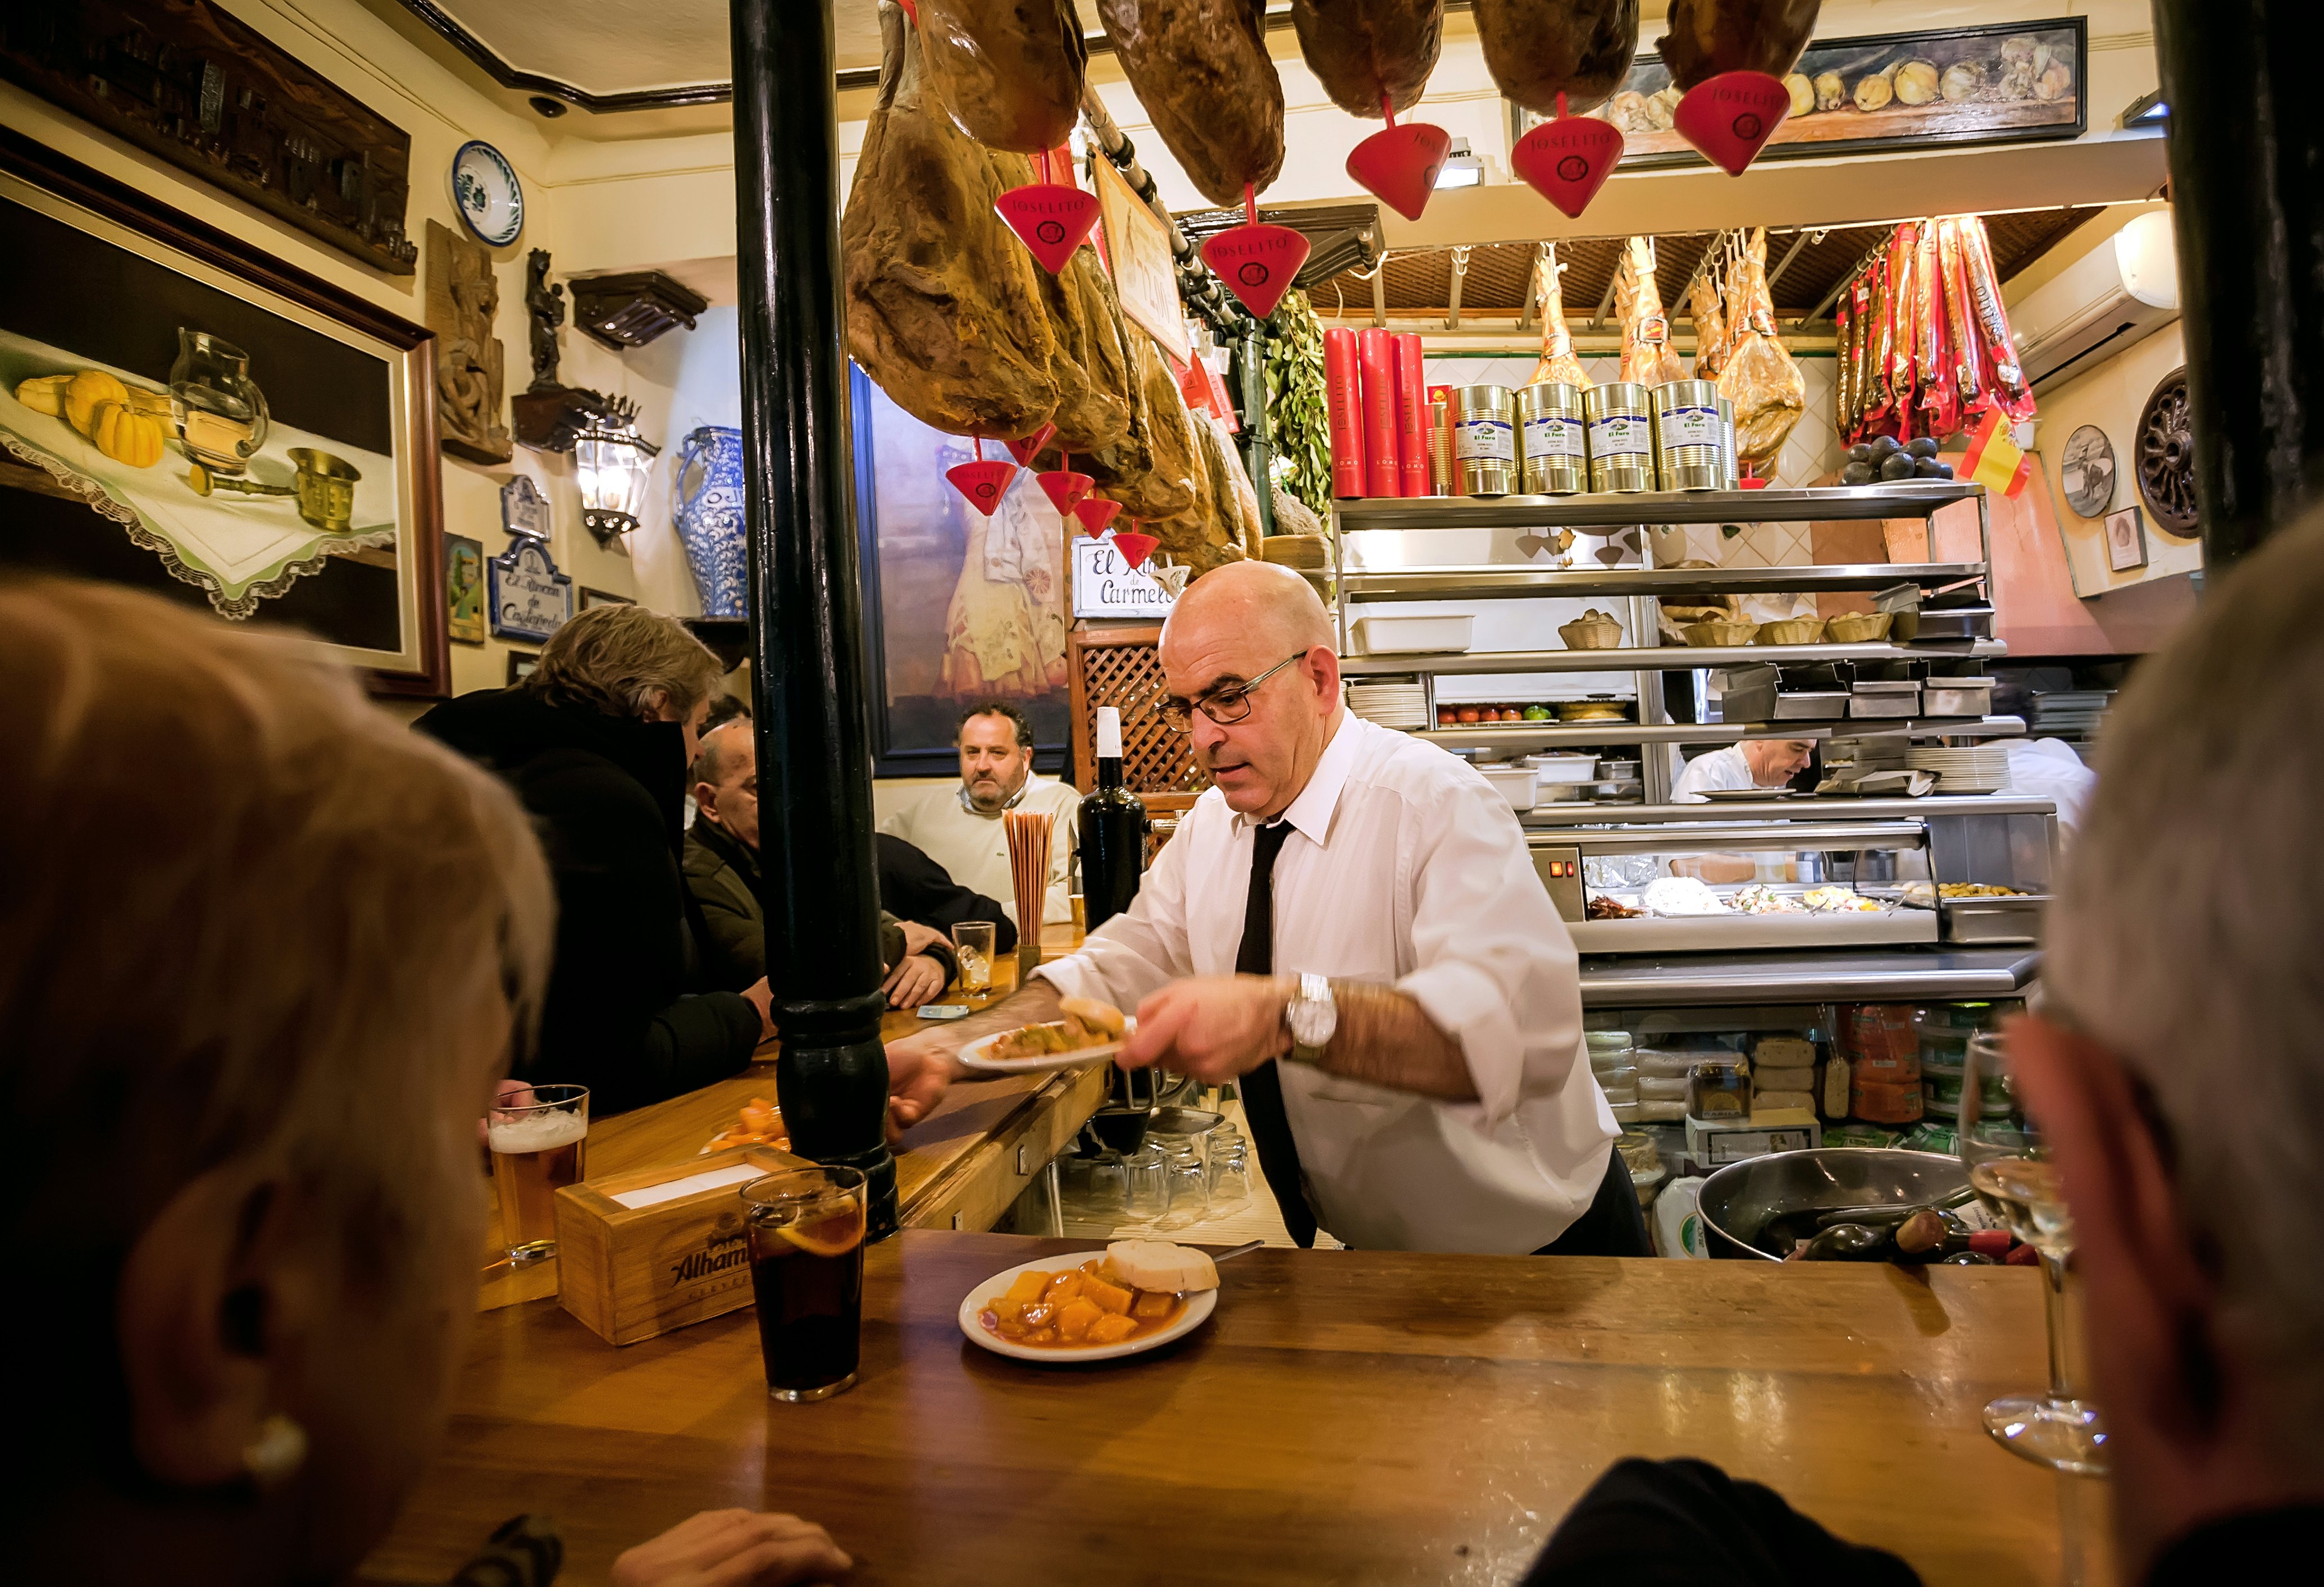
<point x="961" y="829"/>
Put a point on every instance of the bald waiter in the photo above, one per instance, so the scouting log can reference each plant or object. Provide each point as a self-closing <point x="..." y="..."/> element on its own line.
<point x="1348" y="924"/>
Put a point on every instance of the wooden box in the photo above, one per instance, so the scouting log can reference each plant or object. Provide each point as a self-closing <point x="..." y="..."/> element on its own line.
<point x="642" y="1253"/>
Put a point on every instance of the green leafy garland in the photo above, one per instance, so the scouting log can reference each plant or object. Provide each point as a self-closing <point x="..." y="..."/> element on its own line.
<point x="1297" y="403"/>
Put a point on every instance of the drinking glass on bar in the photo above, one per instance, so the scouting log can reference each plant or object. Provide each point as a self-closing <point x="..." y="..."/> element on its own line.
<point x="539" y="1135"/>
<point x="2009" y="1168"/>
<point x="805" y="1229"/>
<point x="973" y="945"/>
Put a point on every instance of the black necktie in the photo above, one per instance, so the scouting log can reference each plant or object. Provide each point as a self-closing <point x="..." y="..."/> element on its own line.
<point x="1262" y="1088"/>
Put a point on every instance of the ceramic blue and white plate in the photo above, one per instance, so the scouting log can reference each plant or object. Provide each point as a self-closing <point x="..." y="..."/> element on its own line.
<point x="490" y="198"/>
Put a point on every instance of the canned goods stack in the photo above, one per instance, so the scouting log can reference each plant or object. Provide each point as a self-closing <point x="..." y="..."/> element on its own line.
<point x="1690" y="441"/>
<point x="1621" y="437"/>
<point x="1484" y="441"/>
<point x="1551" y="425"/>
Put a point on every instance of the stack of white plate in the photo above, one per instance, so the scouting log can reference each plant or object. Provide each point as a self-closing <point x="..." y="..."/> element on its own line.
<point x="1390" y="705"/>
<point x="1977" y="768"/>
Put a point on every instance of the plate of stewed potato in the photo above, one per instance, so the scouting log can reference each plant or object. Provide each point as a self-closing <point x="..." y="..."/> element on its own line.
<point x="1084" y="1030"/>
<point x="1139" y="1295"/>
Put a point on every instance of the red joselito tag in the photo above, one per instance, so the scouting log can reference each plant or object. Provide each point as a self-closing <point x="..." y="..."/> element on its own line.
<point x="1094" y="512"/>
<point x="1568" y="160"/>
<point x="1731" y="116"/>
<point x="983" y="482"/>
<point x="1256" y="260"/>
<point x="1398" y="166"/>
<point x="1029" y="448"/>
<point x="1065" y="487"/>
<point x="1052" y="220"/>
<point x="1134" y="547"/>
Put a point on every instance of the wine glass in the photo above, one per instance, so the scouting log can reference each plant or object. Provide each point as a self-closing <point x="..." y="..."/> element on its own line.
<point x="2010" y="1169"/>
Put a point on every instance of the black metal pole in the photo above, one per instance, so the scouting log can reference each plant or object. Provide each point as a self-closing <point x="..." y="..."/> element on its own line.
<point x="2247" y="148"/>
<point x="815" y="769"/>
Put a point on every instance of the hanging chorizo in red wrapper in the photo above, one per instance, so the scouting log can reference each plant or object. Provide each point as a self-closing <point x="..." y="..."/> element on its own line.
<point x="1843" y="397"/>
<point x="1958" y="329"/>
<point x="2006" y="376"/>
<point x="1940" y="402"/>
<point x="1879" y="412"/>
<point x="1860" y="417"/>
<point x="1903" y="387"/>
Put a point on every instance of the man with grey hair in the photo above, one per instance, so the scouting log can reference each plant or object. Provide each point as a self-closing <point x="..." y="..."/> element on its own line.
<point x="2176" y="1068"/>
<point x="1348" y="926"/>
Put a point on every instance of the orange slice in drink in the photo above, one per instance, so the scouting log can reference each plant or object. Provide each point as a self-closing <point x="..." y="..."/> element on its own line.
<point x="835" y="1234"/>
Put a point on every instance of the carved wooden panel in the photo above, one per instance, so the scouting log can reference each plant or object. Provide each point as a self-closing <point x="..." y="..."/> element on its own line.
<point x="184" y="81"/>
<point x="462" y="299"/>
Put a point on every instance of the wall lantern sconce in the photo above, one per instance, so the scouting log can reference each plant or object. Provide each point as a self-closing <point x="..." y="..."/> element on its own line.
<point x="610" y="463"/>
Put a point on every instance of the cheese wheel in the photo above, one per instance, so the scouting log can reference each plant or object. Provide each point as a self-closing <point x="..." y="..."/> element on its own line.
<point x="1156" y="1264"/>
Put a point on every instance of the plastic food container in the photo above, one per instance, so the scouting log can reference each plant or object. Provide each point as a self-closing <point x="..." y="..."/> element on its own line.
<point x="1516" y="784"/>
<point x="1398" y="636"/>
<point x="1719" y="1088"/>
<point x="1564" y="768"/>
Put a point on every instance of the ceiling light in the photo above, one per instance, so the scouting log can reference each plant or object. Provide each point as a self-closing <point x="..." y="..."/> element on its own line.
<point x="610" y="462"/>
<point x="1460" y="168"/>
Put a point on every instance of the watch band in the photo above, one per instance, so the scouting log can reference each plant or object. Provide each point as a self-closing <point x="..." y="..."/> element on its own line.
<point x="1312" y="1017"/>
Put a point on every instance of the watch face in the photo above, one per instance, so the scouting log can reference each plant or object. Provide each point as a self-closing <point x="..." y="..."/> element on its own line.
<point x="1311" y="1023"/>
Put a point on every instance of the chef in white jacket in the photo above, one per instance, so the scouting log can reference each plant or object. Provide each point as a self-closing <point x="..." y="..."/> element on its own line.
<point x="1755" y="762"/>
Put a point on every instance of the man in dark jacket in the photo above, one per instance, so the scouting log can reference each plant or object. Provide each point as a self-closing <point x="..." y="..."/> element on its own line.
<point x="919" y="889"/>
<point x="722" y="871"/>
<point x="595" y="744"/>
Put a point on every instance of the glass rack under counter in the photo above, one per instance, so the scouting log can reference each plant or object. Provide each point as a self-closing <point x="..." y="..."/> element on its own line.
<point x="1790" y="874"/>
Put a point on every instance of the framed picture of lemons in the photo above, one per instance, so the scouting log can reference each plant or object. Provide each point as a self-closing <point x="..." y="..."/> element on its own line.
<point x="181" y="412"/>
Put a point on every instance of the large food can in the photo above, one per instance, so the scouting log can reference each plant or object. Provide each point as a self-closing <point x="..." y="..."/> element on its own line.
<point x="1484" y="441"/>
<point x="1689" y="437"/>
<point x="1621" y="437"/>
<point x="1550" y="428"/>
<point x="1442" y="479"/>
<point x="1731" y="475"/>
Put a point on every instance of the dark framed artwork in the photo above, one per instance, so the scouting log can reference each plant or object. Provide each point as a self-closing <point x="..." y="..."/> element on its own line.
<point x="957" y="607"/>
<point x="590" y="597"/>
<point x="464" y="588"/>
<point x="185" y="414"/>
<point x="520" y="664"/>
<point x="1996" y="83"/>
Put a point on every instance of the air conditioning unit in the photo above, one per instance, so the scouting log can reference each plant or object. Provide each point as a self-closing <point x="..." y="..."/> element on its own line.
<point x="2122" y="291"/>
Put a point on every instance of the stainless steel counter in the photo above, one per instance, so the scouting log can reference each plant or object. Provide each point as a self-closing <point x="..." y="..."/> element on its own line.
<point x="1824" y="975"/>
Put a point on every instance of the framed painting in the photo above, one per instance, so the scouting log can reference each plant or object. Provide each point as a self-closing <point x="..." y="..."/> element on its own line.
<point x="1999" y="83"/>
<point x="520" y="664"/>
<point x="957" y="607"/>
<point x="185" y="414"/>
<point x="1137" y="254"/>
<point x="464" y="588"/>
<point x="590" y="598"/>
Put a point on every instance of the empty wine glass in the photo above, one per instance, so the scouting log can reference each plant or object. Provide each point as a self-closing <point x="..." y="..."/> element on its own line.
<point x="1190" y="1194"/>
<point x="1148" y="1173"/>
<point x="1230" y="1168"/>
<point x="2010" y="1169"/>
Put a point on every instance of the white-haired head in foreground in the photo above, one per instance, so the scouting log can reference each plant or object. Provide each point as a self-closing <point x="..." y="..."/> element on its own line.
<point x="2179" y="1066"/>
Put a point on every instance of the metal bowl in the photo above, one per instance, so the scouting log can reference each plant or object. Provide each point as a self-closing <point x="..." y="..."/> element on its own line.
<point x="1740" y="1200"/>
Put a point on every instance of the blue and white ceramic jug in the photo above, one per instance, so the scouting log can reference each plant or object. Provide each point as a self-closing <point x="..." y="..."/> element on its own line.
<point x="708" y="513"/>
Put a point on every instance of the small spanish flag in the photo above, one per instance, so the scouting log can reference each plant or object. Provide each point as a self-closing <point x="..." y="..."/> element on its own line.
<point x="1993" y="459"/>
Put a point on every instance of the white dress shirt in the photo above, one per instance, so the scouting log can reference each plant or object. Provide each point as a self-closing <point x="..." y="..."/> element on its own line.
<point x="973" y="848"/>
<point x="1718" y="770"/>
<point x="1405" y="869"/>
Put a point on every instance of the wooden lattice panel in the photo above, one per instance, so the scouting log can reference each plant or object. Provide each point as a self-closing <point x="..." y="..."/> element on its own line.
<point x="1122" y="668"/>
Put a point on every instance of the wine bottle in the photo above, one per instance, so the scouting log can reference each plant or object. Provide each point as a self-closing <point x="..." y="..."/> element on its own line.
<point x="1113" y="830"/>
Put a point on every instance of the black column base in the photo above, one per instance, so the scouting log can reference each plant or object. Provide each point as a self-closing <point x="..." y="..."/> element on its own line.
<point x="832" y="1083"/>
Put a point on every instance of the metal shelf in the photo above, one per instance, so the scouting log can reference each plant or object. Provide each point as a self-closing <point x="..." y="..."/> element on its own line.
<point x="1660" y="659"/>
<point x="1452" y="583"/>
<point x="1546" y="818"/>
<point x="1623" y="511"/>
<point x="1901" y="975"/>
<point x="1518" y="735"/>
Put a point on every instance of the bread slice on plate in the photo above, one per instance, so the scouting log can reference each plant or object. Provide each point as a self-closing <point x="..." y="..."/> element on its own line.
<point x="1158" y="1264"/>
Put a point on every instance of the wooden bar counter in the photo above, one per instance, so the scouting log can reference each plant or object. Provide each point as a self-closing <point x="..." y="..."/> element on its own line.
<point x="1356" y="1418"/>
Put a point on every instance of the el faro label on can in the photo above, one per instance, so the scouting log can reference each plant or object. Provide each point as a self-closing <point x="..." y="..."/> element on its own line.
<point x="1484" y="439"/>
<point x="1552" y="435"/>
<point x="1620" y="435"/>
<point x="1691" y="427"/>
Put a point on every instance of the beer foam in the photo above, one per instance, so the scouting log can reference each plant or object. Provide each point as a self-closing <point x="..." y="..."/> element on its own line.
<point x="537" y="1132"/>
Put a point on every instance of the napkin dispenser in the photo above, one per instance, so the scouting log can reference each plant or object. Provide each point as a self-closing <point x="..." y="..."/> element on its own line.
<point x="644" y="1253"/>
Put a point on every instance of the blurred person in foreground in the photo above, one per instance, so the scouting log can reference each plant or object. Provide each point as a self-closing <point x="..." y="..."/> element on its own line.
<point x="244" y="1055"/>
<point x="596" y="743"/>
<point x="722" y="871"/>
<point x="2176" y="1072"/>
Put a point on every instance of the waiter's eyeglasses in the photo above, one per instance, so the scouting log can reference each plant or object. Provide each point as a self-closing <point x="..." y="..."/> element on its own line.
<point x="1226" y="704"/>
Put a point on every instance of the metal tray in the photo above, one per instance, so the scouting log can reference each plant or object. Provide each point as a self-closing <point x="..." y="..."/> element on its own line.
<point x="1954" y="622"/>
<point x="1885" y="704"/>
<point x="1992" y="921"/>
<point x="1649" y="934"/>
<point x="1956" y="698"/>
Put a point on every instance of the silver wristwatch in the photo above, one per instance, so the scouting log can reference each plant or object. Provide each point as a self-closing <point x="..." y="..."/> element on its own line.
<point x="1311" y="1018"/>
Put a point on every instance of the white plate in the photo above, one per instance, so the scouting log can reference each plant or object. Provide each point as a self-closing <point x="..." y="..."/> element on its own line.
<point x="1199" y="1307"/>
<point x="490" y="198"/>
<point x="972" y="1055"/>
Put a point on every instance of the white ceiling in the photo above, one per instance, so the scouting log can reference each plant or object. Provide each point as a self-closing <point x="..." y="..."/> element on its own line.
<point x="626" y="46"/>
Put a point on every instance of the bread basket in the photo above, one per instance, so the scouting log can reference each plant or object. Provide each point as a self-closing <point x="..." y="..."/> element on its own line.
<point x="1858" y="627"/>
<point x="1720" y="634"/>
<point x="1592" y="631"/>
<point x="1792" y="630"/>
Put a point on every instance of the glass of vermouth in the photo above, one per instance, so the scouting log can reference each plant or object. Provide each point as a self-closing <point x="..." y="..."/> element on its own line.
<point x="2010" y="1169"/>
<point x="806" y="1228"/>
<point x="539" y="1136"/>
<point x="973" y="945"/>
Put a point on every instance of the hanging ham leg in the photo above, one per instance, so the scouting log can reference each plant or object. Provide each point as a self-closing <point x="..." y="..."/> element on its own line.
<point x="1538" y="50"/>
<point x="1708" y="37"/>
<point x="1202" y="71"/>
<point x="1709" y="328"/>
<point x="1648" y="355"/>
<point x="1008" y="71"/>
<point x="1364" y="51"/>
<point x="1558" y="360"/>
<point x="1760" y="379"/>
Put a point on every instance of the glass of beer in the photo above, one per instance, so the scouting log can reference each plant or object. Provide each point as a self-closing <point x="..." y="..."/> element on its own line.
<point x="538" y="1135"/>
<point x="971" y="942"/>
<point x="805" y="1229"/>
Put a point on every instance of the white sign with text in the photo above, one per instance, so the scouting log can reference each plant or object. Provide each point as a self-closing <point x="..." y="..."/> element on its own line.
<point x="1106" y="585"/>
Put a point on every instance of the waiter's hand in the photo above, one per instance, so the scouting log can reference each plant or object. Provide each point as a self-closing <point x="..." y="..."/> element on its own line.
<point x="1213" y="1028"/>
<point x="921" y="1070"/>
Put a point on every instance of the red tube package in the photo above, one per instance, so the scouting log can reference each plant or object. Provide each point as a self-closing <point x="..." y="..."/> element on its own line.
<point x="1375" y="363"/>
<point x="1958" y="329"/>
<point x="1411" y="417"/>
<point x="2004" y="376"/>
<point x="1902" y="258"/>
<point x="1941" y="394"/>
<point x="1344" y="391"/>
<point x="1859" y="294"/>
<point x="1879" y="416"/>
<point x="1843" y="397"/>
